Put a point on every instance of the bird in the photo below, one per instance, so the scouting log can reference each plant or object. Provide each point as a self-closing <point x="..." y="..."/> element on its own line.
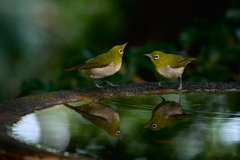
<point x="101" y="115"/>
<point x="103" y="65"/>
<point x="166" y="113"/>
<point x="169" y="65"/>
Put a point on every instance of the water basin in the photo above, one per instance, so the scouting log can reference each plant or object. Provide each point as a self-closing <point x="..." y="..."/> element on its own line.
<point x="201" y="126"/>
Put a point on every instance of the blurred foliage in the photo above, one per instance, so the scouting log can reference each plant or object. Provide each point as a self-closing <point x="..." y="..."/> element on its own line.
<point x="39" y="39"/>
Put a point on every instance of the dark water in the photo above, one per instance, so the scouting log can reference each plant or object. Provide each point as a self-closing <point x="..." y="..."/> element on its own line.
<point x="204" y="126"/>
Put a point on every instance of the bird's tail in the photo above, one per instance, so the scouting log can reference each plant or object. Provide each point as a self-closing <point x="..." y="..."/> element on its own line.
<point x="72" y="68"/>
<point x="69" y="106"/>
<point x="186" y="61"/>
<point x="192" y="59"/>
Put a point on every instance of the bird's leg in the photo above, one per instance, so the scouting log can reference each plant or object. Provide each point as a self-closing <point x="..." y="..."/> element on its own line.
<point x="159" y="83"/>
<point x="180" y="97"/>
<point x="163" y="99"/>
<point x="180" y="87"/>
<point x="109" y="83"/>
<point x="96" y="85"/>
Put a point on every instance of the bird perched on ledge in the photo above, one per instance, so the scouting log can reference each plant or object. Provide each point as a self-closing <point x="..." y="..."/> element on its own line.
<point x="103" y="65"/>
<point x="169" y="65"/>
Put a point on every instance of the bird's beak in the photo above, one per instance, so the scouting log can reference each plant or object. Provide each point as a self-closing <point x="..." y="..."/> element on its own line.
<point x="124" y="45"/>
<point x="146" y="126"/>
<point x="121" y="137"/>
<point x="148" y="55"/>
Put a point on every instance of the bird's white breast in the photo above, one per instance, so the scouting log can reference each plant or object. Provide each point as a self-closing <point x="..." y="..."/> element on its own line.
<point x="105" y="71"/>
<point x="169" y="72"/>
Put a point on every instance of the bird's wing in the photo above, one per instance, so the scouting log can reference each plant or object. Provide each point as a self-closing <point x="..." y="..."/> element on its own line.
<point x="176" y="63"/>
<point x="186" y="61"/>
<point x="180" y="61"/>
<point x="86" y="115"/>
<point x="97" y="62"/>
<point x="92" y="118"/>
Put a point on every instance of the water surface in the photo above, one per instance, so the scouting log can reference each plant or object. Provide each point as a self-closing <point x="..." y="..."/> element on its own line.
<point x="203" y="125"/>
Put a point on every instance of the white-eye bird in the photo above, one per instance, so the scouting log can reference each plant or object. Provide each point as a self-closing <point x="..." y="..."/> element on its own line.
<point x="166" y="113"/>
<point x="103" y="65"/>
<point x="169" y="65"/>
<point x="101" y="115"/>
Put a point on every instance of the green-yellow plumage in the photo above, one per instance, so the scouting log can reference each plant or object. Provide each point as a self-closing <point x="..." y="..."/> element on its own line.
<point x="166" y="113"/>
<point x="169" y="65"/>
<point x="101" y="115"/>
<point x="103" y="65"/>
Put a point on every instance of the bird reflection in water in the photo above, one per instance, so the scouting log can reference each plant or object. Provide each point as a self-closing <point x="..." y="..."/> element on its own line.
<point x="166" y="113"/>
<point x="101" y="115"/>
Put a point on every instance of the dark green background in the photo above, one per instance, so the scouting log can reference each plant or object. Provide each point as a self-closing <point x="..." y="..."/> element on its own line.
<point x="40" y="38"/>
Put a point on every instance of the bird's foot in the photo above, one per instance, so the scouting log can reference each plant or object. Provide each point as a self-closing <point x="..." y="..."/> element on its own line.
<point x="109" y="83"/>
<point x="112" y="85"/>
<point x="160" y="85"/>
<point x="180" y="88"/>
<point x="97" y="86"/>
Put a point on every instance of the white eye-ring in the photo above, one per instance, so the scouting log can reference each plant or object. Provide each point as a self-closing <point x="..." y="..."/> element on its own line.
<point x="154" y="125"/>
<point x="117" y="133"/>
<point x="156" y="56"/>
<point x="120" y="51"/>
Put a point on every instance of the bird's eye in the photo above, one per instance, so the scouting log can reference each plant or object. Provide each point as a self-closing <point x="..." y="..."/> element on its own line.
<point x="154" y="125"/>
<point x="120" y="51"/>
<point x="117" y="133"/>
<point x="156" y="56"/>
